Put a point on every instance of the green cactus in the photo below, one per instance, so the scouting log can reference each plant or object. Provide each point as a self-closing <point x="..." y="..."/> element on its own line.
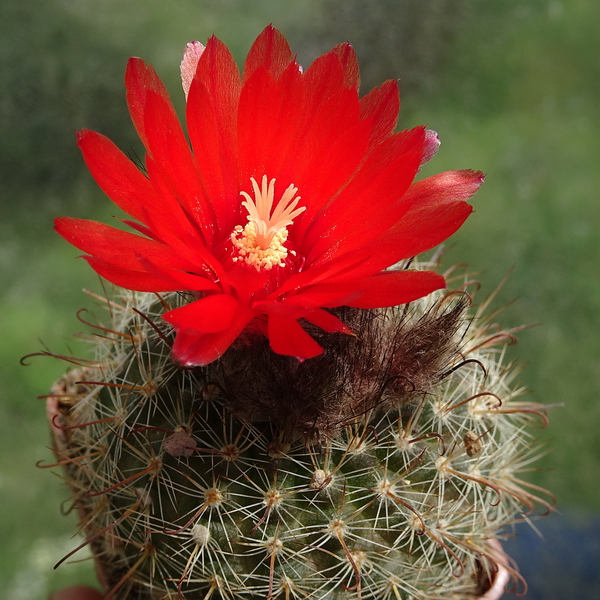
<point x="387" y="468"/>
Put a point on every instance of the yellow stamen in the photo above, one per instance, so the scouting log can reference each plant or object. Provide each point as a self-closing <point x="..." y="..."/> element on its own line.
<point x="261" y="242"/>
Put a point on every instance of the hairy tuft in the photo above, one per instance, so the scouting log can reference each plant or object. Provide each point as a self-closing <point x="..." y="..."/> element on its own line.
<point x="397" y="354"/>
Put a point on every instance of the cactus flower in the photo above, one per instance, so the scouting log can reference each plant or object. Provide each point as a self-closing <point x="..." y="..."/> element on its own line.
<point x="292" y="197"/>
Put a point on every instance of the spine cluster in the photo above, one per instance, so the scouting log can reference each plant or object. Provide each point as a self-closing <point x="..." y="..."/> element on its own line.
<point x="399" y="490"/>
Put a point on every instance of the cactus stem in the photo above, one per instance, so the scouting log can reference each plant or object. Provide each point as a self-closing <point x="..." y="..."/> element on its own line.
<point x="192" y="483"/>
<point x="215" y="585"/>
<point x="407" y="430"/>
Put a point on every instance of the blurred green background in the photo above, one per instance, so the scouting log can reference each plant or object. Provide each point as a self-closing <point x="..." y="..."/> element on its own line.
<point x="513" y="89"/>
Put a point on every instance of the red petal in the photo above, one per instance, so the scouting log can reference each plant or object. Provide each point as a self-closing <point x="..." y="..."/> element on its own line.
<point x="444" y="188"/>
<point x="139" y="79"/>
<point x="156" y="122"/>
<point x="347" y="57"/>
<point x="329" y="144"/>
<point x="211" y="115"/>
<point x="325" y="295"/>
<point x="324" y="273"/>
<point x="208" y="315"/>
<point x="139" y="281"/>
<point x="140" y="229"/>
<point x="398" y="287"/>
<point x="417" y="231"/>
<point x="115" y="246"/>
<point x="245" y="280"/>
<point x="438" y="210"/>
<point x="175" y="226"/>
<point x="118" y="177"/>
<point x="269" y="113"/>
<point x="423" y="229"/>
<point x="431" y="220"/>
<point x="285" y="123"/>
<point x="218" y="71"/>
<point x="373" y="200"/>
<point x="287" y="337"/>
<point x="331" y="72"/>
<point x="327" y="322"/>
<point x="180" y="280"/>
<point x="382" y="104"/>
<point x="312" y="296"/>
<point x="270" y="50"/>
<point x="171" y="153"/>
<point x="192" y="348"/>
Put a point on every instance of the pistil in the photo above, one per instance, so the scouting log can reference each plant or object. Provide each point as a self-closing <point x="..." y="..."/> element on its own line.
<point x="261" y="242"/>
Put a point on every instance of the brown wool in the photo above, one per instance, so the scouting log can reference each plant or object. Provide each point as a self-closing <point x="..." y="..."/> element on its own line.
<point x="393" y="358"/>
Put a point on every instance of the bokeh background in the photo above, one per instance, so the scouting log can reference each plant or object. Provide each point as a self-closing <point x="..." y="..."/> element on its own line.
<point x="512" y="87"/>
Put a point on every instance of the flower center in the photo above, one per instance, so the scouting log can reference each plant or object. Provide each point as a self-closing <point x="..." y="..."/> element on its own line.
<point x="261" y="242"/>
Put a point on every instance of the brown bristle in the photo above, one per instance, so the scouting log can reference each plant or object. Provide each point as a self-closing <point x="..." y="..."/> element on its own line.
<point x="393" y="358"/>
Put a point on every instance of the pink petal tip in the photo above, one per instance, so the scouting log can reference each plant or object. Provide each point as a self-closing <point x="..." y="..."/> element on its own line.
<point x="432" y="144"/>
<point x="191" y="55"/>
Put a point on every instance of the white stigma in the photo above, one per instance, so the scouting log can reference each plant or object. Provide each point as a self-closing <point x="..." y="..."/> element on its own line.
<point x="261" y="242"/>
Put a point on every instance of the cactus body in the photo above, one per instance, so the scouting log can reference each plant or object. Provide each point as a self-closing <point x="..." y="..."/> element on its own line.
<point x="388" y="471"/>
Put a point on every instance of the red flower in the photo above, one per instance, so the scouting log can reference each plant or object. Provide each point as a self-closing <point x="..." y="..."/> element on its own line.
<point x="294" y="198"/>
